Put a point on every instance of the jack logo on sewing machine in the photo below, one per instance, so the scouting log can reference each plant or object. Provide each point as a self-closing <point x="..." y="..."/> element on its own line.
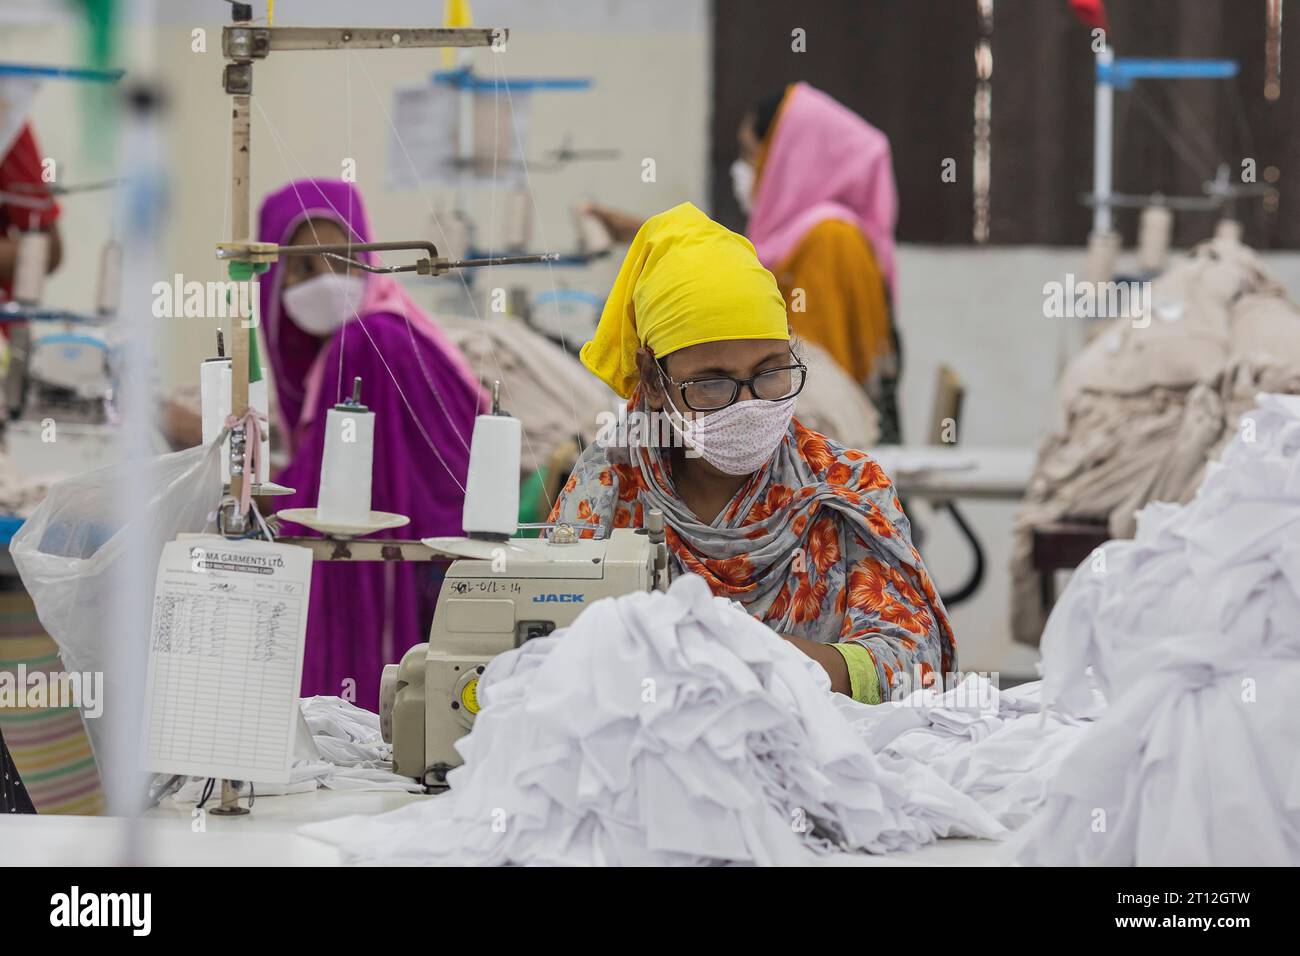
<point x="558" y="598"/>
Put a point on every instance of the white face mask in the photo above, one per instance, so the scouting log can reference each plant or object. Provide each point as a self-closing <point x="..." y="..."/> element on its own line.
<point x="738" y="439"/>
<point x="742" y="183"/>
<point x="321" y="304"/>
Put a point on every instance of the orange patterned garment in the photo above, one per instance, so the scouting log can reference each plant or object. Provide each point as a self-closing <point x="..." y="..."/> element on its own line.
<point x="815" y="545"/>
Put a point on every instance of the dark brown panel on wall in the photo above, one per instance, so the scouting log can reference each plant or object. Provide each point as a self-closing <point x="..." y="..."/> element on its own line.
<point x="907" y="66"/>
<point x="1170" y="135"/>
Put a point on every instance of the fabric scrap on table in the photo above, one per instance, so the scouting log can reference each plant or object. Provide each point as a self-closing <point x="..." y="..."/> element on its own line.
<point x="352" y="756"/>
<point x="995" y="746"/>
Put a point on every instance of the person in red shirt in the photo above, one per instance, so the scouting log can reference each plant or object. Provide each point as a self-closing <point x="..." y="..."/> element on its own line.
<point x="20" y="174"/>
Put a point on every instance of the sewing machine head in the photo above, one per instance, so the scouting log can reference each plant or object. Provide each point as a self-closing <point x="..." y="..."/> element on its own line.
<point x="62" y="370"/>
<point x="60" y="376"/>
<point x="495" y="597"/>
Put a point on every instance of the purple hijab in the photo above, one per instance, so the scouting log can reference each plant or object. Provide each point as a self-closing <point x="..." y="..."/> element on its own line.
<point x="366" y="614"/>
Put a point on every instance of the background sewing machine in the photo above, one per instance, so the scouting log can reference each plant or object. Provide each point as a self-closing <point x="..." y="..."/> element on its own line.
<point x="62" y="365"/>
<point x="59" y="397"/>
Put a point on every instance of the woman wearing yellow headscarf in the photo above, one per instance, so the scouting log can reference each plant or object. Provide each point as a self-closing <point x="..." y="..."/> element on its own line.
<point x="806" y="534"/>
<point x="816" y="182"/>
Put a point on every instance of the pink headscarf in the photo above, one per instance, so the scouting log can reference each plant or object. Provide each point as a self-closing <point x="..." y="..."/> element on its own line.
<point x="385" y="294"/>
<point x="298" y="358"/>
<point x="823" y="161"/>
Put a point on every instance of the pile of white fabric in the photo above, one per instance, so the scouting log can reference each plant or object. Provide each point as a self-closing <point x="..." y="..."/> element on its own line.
<point x="347" y="752"/>
<point x="1151" y="400"/>
<point x="675" y="729"/>
<point x="662" y="729"/>
<point x="996" y="747"/>
<point x="1192" y="632"/>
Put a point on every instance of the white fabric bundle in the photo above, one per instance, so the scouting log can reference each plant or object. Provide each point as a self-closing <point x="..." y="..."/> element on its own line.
<point x="1192" y="632"/>
<point x="353" y="755"/>
<point x="1149" y="402"/>
<point x="661" y="729"/>
<point x="993" y="746"/>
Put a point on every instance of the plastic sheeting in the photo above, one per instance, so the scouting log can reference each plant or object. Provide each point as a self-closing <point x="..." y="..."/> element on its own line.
<point x="67" y="550"/>
<point x="1192" y="632"/>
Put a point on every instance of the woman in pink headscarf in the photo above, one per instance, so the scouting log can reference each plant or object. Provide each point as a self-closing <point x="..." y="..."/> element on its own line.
<point x="817" y="183"/>
<point x="326" y="324"/>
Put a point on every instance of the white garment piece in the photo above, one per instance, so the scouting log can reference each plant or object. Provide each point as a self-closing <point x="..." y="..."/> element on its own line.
<point x="993" y="746"/>
<point x="661" y="729"/>
<point x="546" y="388"/>
<point x="19" y="494"/>
<point x="353" y="755"/>
<point x="1191" y="631"/>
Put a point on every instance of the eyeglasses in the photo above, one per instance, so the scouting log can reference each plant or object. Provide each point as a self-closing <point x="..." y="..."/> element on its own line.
<point x="719" y="391"/>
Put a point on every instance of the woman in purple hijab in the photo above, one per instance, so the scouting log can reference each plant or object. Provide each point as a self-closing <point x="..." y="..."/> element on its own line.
<point x="325" y="325"/>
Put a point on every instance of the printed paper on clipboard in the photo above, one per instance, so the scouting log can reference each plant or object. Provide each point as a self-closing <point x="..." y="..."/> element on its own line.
<point x="225" y="658"/>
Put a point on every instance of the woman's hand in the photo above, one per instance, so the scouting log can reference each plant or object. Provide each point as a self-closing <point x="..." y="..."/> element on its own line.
<point x="829" y="658"/>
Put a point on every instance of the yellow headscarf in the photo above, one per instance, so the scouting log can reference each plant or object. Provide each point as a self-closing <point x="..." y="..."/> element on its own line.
<point x="685" y="280"/>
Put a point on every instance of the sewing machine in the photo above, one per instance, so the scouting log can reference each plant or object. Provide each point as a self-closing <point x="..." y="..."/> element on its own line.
<point x="499" y="591"/>
<point x="58" y="391"/>
<point x="495" y="597"/>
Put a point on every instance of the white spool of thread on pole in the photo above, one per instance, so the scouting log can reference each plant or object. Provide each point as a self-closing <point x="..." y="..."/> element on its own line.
<point x="492" y="488"/>
<point x="346" y="467"/>
<point x="30" y="266"/>
<point x="108" y="288"/>
<point x="214" y="400"/>
<point x="1155" y="229"/>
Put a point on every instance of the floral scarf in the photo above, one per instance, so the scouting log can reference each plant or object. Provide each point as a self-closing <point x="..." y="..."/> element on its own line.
<point x="815" y="545"/>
